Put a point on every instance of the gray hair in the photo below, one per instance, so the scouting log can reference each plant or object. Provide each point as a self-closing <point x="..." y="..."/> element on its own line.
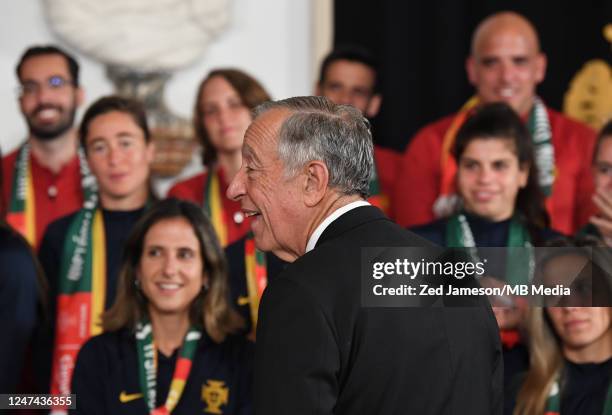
<point x="337" y="135"/>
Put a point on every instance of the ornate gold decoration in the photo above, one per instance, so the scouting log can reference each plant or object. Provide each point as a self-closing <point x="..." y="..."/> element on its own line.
<point x="589" y="97"/>
<point x="607" y="32"/>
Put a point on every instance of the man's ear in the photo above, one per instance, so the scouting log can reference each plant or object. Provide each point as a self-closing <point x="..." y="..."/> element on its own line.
<point x="150" y="151"/>
<point x="80" y="96"/>
<point x="470" y="69"/>
<point x="541" y="64"/>
<point x="373" y="106"/>
<point x="316" y="183"/>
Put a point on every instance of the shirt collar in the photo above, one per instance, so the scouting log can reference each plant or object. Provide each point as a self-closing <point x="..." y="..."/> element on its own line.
<point x="314" y="238"/>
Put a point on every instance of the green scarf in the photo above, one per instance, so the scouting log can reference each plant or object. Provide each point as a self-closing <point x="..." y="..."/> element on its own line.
<point x="553" y="404"/>
<point x="519" y="265"/>
<point x="147" y="367"/>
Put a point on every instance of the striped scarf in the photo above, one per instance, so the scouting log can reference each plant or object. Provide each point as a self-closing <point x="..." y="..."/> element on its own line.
<point x="213" y="206"/>
<point x="21" y="214"/>
<point x="82" y="293"/>
<point x="256" y="276"/>
<point x="147" y="367"/>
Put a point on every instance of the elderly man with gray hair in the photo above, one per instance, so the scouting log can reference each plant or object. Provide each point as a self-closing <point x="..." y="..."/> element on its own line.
<point x="303" y="181"/>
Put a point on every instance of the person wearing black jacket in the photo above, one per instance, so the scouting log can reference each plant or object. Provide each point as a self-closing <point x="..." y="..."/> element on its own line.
<point x="304" y="180"/>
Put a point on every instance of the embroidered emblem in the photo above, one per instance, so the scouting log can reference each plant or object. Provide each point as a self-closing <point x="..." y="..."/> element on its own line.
<point x="215" y="394"/>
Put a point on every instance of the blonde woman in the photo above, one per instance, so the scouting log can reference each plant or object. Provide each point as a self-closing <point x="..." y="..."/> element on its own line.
<point x="570" y="348"/>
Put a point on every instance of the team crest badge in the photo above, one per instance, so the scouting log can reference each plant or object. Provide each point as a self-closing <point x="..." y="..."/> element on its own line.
<point x="214" y="394"/>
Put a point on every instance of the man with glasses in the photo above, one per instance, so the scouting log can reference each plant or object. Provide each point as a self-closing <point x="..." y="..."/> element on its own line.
<point x="46" y="177"/>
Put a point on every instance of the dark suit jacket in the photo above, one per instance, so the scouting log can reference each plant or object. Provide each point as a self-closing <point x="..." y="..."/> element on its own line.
<point x="320" y="352"/>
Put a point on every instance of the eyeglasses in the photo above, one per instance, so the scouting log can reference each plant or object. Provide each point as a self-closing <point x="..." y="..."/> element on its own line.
<point x="54" y="83"/>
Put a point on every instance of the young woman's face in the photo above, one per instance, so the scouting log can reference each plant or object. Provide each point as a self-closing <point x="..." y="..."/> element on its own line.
<point x="225" y="116"/>
<point x="171" y="266"/>
<point x="119" y="156"/>
<point x="489" y="178"/>
<point x="580" y="327"/>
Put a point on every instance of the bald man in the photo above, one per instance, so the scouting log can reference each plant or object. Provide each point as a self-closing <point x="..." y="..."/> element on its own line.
<point x="505" y="64"/>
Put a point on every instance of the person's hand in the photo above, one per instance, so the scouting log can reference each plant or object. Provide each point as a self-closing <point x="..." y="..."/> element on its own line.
<point x="603" y="220"/>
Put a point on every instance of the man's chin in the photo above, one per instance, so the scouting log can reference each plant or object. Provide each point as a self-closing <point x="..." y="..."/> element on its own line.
<point x="285" y="255"/>
<point x="49" y="133"/>
<point x="276" y="249"/>
<point x="52" y="131"/>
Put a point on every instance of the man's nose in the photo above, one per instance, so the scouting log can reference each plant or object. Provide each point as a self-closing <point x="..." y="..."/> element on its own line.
<point x="236" y="189"/>
<point x="44" y="94"/>
<point x="507" y="71"/>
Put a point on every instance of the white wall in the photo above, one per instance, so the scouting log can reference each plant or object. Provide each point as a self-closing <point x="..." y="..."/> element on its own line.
<point x="270" y="39"/>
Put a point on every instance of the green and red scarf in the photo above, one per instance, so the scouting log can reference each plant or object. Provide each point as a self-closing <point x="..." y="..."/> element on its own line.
<point x="256" y="277"/>
<point x="82" y="293"/>
<point x="147" y="367"/>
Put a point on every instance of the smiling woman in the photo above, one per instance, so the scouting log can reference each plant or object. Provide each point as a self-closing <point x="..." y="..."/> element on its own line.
<point x="80" y="253"/>
<point x="168" y="343"/>
<point x="496" y="179"/>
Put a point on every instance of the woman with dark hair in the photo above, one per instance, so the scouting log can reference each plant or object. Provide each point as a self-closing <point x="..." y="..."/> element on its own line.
<point x="222" y="114"/>
<point x="22" y="290"/>
<point x="601" y="224"/>
<point x="500" y="200"/>
<point x="570" y="344"/>
<point x="167" y="345"/>
<point x="501" y="205"/>
<point x="81" y="253"/>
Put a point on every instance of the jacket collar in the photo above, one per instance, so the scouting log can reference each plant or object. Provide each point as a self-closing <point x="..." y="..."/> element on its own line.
<point x="351" y="219"/>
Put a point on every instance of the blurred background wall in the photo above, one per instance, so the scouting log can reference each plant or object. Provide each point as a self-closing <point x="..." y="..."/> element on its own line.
<point x="271" y="39"/>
